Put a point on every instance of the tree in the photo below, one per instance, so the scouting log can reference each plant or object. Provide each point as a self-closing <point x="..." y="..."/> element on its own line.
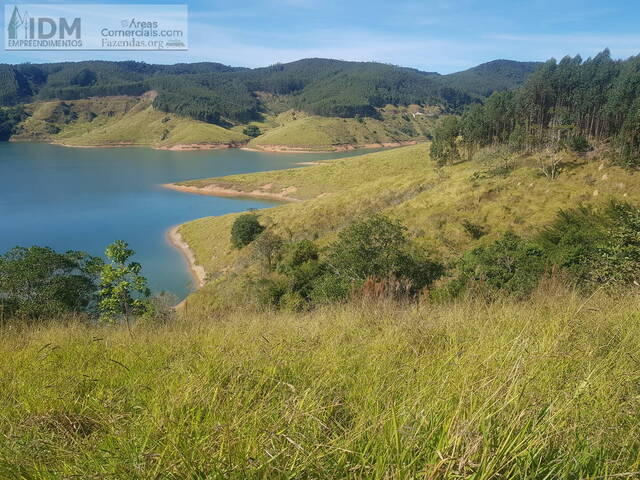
<point x="509" y="264"/>
<point x="123" y="290"/>
<point x="38" y="282"/>
<point x="251" y="131"/>
<point x="268" y="247"/>
<point x="245" y="230"/>
<point x="444" y="148"/>
<point x="376" y="248"/>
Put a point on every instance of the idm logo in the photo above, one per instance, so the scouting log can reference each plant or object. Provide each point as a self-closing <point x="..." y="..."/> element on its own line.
<point x="24" y="26"/>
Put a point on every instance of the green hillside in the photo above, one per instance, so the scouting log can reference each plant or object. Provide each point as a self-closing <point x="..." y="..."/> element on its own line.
<point x="312" y="132"/>
<point x="223" y="95"/>
<point x="134" y="120"/>
<point x="404" y="183"/>
<point x="491" y="77"/>
<point x="117" y="121"/>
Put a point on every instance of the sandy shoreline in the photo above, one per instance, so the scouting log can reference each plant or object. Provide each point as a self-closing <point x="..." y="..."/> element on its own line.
<point x="180" y="147"/>
<point x="197" y="272"/>
<point x="190" y="147"/>
<point x="194" y="147"/>
<point x="328" y="149"/>
<point x="214" y="190"/>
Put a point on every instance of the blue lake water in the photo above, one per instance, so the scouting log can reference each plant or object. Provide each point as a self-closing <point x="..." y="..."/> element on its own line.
<point x="84" y="199"/>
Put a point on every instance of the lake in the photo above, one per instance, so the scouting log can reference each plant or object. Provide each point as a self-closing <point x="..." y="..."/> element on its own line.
<point x="84" y="199"/>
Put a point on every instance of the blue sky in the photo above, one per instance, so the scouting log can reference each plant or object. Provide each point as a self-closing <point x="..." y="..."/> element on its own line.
<point x="433" y="35"/>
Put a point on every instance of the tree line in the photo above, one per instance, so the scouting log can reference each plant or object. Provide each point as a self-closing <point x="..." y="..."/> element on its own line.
<point x="570" y="103"/>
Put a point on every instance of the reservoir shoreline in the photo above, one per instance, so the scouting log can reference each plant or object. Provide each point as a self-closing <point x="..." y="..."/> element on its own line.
<point x="198" y="272"/>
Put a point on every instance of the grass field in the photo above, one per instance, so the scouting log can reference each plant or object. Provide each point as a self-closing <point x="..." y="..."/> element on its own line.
<point x="548" y="389"/>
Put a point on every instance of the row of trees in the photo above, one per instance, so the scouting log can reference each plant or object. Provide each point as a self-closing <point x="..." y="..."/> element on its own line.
<point x="567" y="103"/>
<point x="39" y="283"/>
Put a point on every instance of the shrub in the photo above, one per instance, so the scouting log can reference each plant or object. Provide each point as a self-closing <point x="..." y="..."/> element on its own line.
<point x="444" y="148"/>
<point x="268" y="248"/>
<point x="293" y="301"/>
<point x="596" y="245"/>
<point x="296" y="254"/>
<point x="251" y="131"/>
<point x="245" y="229"/>
<point x="579" y="144"/>
<point x="269" y="291"/>
<point x="377" y="248"/>
<point x="473" y="230"/>
<point x="330" y="288"/>
<point x="510" y="264"/>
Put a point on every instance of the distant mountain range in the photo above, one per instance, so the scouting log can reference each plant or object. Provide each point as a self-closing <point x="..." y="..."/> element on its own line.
<point x="224" y="95"/>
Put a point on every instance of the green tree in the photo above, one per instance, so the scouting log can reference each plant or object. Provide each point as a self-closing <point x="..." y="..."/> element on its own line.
<point x="245" y="229"/>
<point x="444" y="148"/>
<point x="268" y="247"/>
<point x="251" y="131"/>
<point x="510" y="265"/>
<point x="38" y="282"/>
<point x="123" y="291"/>
<point x="377" y="248"/>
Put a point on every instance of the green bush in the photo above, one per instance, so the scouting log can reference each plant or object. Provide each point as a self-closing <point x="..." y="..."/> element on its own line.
<point x="245" y="229"/>
<point x="579" y="144"/>
<point x="377" y="248"/>
<point x="510" y="265"/>
<point x="330" y="288"/>
<point x="596" y="245"/>
<point x="593" y="246"/>
<point x="38" y="282"/>
<point x="251" y="131"/>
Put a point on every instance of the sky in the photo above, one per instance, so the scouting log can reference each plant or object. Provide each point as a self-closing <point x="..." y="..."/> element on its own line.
<point x="433" y="35"/>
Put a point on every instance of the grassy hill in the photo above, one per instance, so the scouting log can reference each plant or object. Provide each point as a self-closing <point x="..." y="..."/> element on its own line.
<point x="303" y="131"/>
<point x="117" y="121"/>
<point x="129" y="120"/>
<point x="403" y="183"/>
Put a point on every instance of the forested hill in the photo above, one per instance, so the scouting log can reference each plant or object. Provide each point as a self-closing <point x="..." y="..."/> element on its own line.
<point x="490" y="77"/>
<point x="220" y="94"/>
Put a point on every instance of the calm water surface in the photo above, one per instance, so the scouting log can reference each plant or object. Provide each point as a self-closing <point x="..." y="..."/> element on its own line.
<point x="83" y="199"/>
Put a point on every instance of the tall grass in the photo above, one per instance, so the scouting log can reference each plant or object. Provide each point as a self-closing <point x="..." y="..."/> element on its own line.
<point x="546" y="389"/>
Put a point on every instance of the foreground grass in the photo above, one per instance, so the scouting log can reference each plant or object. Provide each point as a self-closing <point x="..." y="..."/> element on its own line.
<point x="546" y="389"/>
